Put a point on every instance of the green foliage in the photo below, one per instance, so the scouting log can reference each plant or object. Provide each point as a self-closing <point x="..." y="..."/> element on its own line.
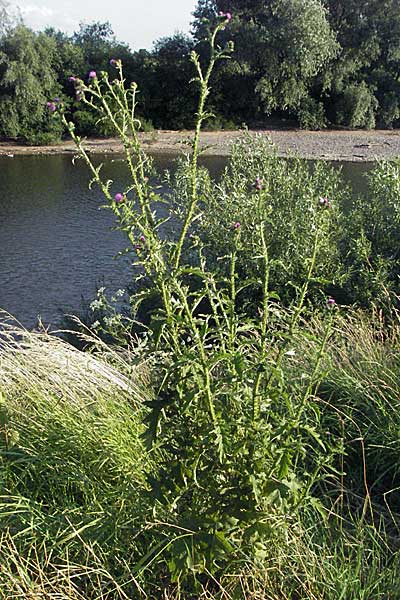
<point x="371" y="245"/>
<point x="319" y="62"/>
<point x="280" y="47"/>
<point x="222" y="408"/>
<point x="363" y="352"/>
<point x="168" y="72"/>
<point x="98" y="45"/>
<point x="230" y="405"/>
<point x="70" y="57"/>
<point x="311" y="114"/>
<point x="291" y="194"/>
<point x="74" y="511"/>
<point x="216" y="123"/>
<point x="330" y="60"/>
<point x="356" y="107"/>
<point x="236" y="464"/>
<point x="72" y="463"/>
<point x="27" y="80"/>
<point x="366" y="69"/>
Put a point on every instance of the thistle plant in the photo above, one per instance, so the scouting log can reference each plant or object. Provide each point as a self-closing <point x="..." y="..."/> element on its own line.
<point x="238" y="447"/>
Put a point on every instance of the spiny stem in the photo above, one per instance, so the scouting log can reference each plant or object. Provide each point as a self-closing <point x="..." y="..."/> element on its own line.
<point x="296" y="314"/>
<point x="204" y="91"/>
<point x="265" y="310"/>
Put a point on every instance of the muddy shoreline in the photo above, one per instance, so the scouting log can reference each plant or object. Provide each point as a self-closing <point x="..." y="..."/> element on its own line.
<point x="356" y="146"/>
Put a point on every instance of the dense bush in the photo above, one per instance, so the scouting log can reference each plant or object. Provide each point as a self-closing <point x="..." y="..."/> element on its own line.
<point x="370" y="243"/>
<point x="356" y="107"/>
<point x="311" y="114"/>
<point x="27" y="80"/>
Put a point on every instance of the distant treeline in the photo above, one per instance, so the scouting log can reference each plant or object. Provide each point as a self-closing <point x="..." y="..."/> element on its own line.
<point x="317" y="63"/>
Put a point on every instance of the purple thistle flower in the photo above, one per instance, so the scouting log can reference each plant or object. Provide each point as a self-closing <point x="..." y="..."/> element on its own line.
<point x="331" y="302"/>
<point x="114" y="61"/>
<point x="226" y="15"/>
<point x="142" y="239"/>
<point x="236" y="225"/>
<point x="92" y="75"/>
<point x="324" y="201"/>
<point x="258" y="184"/>
<point x="118" y="197"/>
<point x="51" y="106"/>
<point x="72" y="79"/>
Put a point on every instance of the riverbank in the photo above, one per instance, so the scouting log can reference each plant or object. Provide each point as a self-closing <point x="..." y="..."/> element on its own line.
<point x="355" y="146"/>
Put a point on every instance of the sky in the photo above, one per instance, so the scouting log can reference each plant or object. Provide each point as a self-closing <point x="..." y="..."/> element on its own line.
<point x="136" y="22"/>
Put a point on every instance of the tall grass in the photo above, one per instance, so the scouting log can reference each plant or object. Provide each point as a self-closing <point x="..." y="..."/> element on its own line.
<point x="72" y="467"/>
<point x="73" y="509"/>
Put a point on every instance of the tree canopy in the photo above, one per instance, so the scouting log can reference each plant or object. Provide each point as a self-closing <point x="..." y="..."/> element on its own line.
<point x="28" y="79"/>
<point x="317" y="63"/>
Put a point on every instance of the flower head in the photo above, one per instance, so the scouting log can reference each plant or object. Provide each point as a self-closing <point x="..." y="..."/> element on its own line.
<point x="324" y="201"/>
<point x="51" y="106"/>
<point x="114" y="61"/>
<point x="331" y="302"/>
<point x="118" y="197"/>
<point x="142" y="239"/>
<point x="258" y="184"/>
<point x="236" y="225"/>
<point x="227" y="16"/>
<point x="72" y="79"/>
<point x="92" y="75"/>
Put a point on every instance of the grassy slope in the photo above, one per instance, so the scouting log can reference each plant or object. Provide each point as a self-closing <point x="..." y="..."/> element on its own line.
<point x="73" y="467"/>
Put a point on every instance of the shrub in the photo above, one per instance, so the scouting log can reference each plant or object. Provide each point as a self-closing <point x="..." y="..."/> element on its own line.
<point x="311" y="114"/>
<point x="42" y="138"/>
<point x="356" y="107"/>
<point x="370" y="247"/>
<point x="218" y="123"/>
<point x="292" y="198"/>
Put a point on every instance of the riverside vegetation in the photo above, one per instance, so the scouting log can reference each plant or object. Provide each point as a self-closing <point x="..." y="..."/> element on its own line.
<point x="239" y="436"/>
<point x="312" y="63"/>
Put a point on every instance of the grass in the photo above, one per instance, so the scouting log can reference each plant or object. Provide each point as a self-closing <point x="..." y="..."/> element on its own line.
<point x="73" y="467"/>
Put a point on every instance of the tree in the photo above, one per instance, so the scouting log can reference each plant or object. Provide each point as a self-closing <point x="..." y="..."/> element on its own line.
<point x="7" y="17"/>
<point x="164" y="75"/>
<point x="70" y="59"/>
<point x="363" y="81"/>
<point x="98" y="44"/>
<point x="28" y="79"/>
<point x="281" y="45"/>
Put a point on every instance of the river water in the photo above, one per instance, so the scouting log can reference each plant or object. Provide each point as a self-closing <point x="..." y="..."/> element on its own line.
<point x="56" y="245"/>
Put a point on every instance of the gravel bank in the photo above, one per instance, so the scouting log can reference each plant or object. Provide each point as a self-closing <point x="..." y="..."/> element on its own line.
<point x="357" y="146"/>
